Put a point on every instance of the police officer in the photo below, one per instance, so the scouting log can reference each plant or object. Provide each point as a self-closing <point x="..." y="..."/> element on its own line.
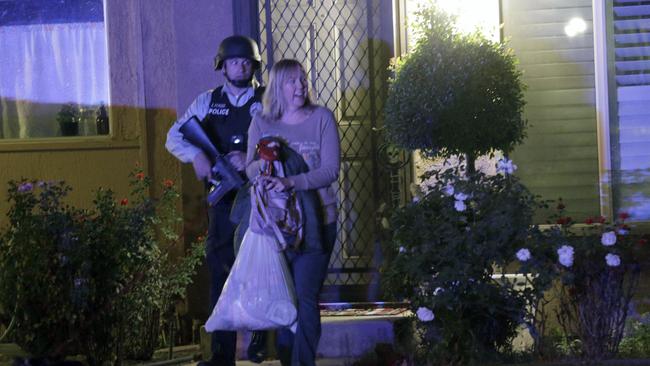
<point x="225" y="114"/>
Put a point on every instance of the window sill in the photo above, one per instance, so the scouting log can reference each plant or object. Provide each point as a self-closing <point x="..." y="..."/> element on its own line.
<point x="66" y="144"/>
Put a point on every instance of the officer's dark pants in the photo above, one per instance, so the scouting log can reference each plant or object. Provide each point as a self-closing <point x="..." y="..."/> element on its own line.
<point x="309" y="269"/>
<point x="220" y="258"/>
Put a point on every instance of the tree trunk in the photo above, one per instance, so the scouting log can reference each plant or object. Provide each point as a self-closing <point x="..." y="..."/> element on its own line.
<point x="470" y="160"/>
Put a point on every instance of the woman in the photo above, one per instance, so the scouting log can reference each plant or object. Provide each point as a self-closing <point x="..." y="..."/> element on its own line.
<point x="310" y="134"/>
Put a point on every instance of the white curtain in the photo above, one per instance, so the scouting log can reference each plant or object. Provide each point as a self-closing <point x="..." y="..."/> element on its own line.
<point x="43" y="66"/>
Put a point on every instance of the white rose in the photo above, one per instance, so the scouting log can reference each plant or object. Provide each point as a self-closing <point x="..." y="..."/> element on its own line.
<point x="461" y="196"/>
<point x="565" y="254"/>
<point x="385" y="224"/>
<point x="425" y="314"/>
<point x="506" y="166"/>
<point x="608" y="238"/>
<point x="460" y="206"/>
<point x="448" y="190"/>
<point x="612" y="260"/>
<point x="523" y="254"/>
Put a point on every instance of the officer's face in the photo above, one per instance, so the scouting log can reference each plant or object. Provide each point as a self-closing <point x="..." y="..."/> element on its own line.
<point x="294" y="89"/>
<point x="238" y="68"/>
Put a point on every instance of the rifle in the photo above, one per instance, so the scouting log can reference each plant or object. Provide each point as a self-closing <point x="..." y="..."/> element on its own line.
<point x="224" y="177"/>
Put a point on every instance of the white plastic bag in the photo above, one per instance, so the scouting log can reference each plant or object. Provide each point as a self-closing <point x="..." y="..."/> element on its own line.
<point x="258" y="293"/>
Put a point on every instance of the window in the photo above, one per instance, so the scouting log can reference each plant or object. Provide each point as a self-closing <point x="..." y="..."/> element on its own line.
<point x="586" y="67"/>
<point x="559" y="158"/>
<point x="54" y="75"/>
<point x="470" y="15"/>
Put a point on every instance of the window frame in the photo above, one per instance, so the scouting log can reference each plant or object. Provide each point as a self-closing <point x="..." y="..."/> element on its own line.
<point x="126" y="104"/>
<point x="603" y="106"/>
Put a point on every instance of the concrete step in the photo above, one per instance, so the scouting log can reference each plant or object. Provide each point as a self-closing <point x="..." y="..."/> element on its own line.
<point x="343" y="338"/>
<point x="354" y="336"/>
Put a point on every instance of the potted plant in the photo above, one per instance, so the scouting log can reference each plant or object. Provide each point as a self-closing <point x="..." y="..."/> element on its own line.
<point x="101" y="120"/>
<point x="69" y="118"/>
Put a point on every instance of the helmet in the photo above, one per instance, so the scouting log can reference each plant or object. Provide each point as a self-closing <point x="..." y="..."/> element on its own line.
<point x="238" y="46"/>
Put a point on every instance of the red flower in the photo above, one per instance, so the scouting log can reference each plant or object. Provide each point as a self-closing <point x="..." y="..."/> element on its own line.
<point x="124" y="202"/>
<point x="168" y="183"/>
<point x="140" y="176"/>
<point x="572" y="291"/>
<point x="589" y="220"/>
<point x="564" y="220"/>
<point x="642" y="241"/>
<point x="623" y="215"/>
<point x="601" y="219"/>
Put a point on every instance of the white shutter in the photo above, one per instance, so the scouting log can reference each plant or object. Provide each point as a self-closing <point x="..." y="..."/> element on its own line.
<point x="631" y="130"/>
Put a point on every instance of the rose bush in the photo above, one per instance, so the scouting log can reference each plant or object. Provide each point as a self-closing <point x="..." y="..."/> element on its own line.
<point x="595" y="263"/>
<point x="447" y="257"/>
<point x="92" y="282"/>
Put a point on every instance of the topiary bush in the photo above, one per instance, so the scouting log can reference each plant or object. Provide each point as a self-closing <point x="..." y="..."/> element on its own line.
<point x="457" y="94"/>
<point x="454" y="94"/>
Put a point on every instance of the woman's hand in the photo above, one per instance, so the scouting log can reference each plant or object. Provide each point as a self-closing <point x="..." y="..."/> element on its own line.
<point x="237" y="159"/>
<point x="278" y="184"/>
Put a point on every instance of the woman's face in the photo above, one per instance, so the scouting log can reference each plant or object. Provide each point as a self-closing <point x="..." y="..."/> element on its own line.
<point x="294" y="89"/>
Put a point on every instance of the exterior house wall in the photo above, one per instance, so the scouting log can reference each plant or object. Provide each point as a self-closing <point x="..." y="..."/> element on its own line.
<point x="559" y="158"/>
<point x="160" y="56"/>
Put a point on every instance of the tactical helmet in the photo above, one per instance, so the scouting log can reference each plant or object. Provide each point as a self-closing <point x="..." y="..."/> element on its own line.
<point x="238" y="46"/>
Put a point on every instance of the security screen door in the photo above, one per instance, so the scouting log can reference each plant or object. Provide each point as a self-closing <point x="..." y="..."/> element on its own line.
<point x="338" y="43"/>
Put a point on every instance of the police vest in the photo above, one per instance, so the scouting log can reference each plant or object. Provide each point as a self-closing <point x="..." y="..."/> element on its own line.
<point x="227" y="125"/>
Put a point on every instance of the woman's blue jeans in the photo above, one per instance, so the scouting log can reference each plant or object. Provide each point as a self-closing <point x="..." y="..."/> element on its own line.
<point x="309" y="269"/>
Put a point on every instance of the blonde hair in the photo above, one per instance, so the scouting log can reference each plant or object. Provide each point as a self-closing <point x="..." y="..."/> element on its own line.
<point x="273" y="101"/>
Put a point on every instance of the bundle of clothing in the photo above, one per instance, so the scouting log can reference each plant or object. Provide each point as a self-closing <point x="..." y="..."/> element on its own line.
<point x="259" y="292"/>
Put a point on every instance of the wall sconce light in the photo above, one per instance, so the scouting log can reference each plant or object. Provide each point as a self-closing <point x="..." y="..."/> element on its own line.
<point x="575" y="26"/>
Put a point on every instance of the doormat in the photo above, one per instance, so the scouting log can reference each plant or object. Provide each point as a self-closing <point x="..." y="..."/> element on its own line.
<point x="352" y="310"/>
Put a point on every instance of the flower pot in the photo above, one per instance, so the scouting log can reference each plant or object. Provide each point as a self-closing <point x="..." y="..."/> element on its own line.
<point x="69" y="128"/>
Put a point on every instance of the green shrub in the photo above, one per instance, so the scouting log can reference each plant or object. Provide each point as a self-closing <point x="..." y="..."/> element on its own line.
<point x="636" y="342"/>
<point x="459" y="94"/>
<point x="454" y="94"/>
<point x="82" y="281"/>
<point x="445" y="255"/>
<point x="595" y="263"/>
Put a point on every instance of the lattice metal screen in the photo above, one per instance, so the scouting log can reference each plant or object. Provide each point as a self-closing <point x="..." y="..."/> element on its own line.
<point x="347" y="66"/>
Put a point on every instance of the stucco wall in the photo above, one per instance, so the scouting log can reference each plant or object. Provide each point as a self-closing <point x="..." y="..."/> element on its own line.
<point x="161" y="56"/>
